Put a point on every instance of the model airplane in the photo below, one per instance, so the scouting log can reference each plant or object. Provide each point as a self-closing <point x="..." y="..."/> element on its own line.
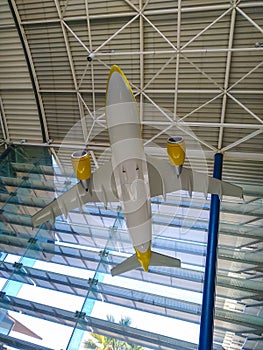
<point x="132" y="177"/>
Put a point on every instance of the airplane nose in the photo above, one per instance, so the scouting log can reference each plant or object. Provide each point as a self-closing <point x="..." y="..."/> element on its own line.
<point x="118" y="88"/>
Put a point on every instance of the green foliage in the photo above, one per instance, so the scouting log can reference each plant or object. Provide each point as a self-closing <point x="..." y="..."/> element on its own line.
<point x="101" y="342"/>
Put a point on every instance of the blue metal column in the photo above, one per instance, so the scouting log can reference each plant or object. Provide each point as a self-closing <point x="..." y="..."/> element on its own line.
<point x="208" y="304"/>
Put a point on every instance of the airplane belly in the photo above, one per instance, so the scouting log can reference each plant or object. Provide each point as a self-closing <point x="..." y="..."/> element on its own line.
<point x="128" y="158"/>
<point x="139" y="225"/>
<point x="124" y="133"/>
<point x="132" y="184"/>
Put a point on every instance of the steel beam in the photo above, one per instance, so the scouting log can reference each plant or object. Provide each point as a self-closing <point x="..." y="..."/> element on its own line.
<point x="31" y="70"/>
<point x="208" y="304"/>
<point x="227" y="76"/>
<point x="3" y="122"/>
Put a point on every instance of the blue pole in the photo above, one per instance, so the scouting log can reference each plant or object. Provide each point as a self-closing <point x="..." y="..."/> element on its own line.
<point x="208" y="304"/>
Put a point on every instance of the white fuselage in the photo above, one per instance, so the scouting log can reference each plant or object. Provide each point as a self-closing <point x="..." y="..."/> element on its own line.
<point x="129" y="161"/>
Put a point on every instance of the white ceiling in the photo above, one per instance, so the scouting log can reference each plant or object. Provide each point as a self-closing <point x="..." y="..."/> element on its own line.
<point x="195" y="67"/>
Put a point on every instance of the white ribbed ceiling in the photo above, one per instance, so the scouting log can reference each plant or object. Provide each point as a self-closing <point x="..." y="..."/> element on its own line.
<point x="195" y="67"/>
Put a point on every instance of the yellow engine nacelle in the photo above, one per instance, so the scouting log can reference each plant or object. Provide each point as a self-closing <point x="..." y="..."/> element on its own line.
<point x="81" y="165"/>
<point x="176" y="150"/>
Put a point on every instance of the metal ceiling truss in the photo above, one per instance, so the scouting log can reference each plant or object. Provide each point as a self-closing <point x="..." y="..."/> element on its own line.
<point x="177" y="52"/>
<point x="32" y="71"/>
<point x="4" y="127"/>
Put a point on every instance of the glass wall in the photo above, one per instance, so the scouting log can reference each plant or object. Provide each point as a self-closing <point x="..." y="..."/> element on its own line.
<point x="56" y="283"/>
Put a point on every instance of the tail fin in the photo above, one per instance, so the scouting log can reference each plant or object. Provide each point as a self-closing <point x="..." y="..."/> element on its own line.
<point x="157" y="259"/>
<point x="129" y="264"/>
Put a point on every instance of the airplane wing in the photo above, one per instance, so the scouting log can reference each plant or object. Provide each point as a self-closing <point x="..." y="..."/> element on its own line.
<point x="163" y="179"/>
<point x="102" y="188"/>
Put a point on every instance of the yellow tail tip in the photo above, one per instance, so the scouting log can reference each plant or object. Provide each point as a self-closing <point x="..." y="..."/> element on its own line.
<point x="144" y="258"/>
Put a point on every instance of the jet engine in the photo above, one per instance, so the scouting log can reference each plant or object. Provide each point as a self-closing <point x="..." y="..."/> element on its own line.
<point x="82" y="167"/>
<point x="176" y="152"/>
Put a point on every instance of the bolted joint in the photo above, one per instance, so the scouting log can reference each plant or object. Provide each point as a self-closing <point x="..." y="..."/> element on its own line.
<point x="32" y="240"/>
<point x="17" y="266"/>
<point x="92" y="281"/>
<point x="104" y="253"/>
<point x="80" y="315"/>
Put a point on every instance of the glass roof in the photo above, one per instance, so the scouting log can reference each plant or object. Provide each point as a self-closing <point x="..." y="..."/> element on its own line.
<point x="56" y="278"/>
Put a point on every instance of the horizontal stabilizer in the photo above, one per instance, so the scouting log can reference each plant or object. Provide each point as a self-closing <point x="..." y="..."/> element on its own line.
<point x="129" y="264"/>
<point x="158" y="259"/>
